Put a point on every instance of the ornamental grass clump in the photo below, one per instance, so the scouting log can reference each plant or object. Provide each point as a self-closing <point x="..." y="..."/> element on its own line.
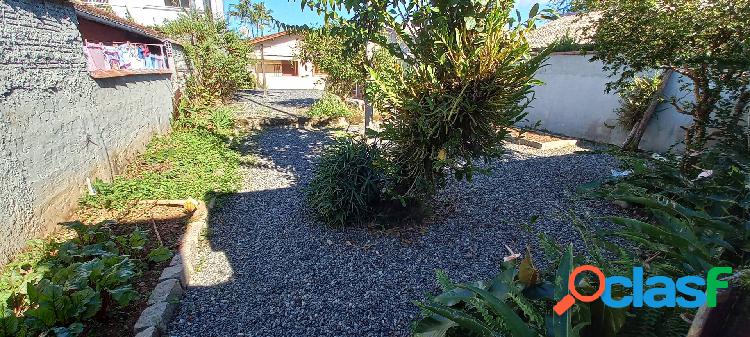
<point x="348" y="185"/>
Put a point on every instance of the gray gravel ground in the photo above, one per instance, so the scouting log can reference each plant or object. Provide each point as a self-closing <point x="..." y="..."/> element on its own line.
<point x="278" y="103"/>
<point x="270" y="270"/>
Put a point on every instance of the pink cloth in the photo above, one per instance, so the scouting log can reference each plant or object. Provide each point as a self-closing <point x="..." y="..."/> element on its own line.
<point x="95" y="57"/>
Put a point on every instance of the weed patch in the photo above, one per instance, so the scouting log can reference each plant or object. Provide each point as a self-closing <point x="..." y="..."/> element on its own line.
<point x="186" y="163"/>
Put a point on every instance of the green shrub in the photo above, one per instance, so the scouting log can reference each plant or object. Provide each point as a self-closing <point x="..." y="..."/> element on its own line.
<point x="635" y="97"/>
<point x="471" y="77"/>
<point x="517" y="302"/>
<point x="218" y="57"/>
<point x="694" y="220"/>
<point x="343" y="66"/>
<point x="330" y="106"/>
<point x="56" y="287"/>
<point x="347" y="185"/>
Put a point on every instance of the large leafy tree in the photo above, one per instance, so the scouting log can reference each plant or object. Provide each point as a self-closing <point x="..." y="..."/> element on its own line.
<point x="346" y="68"/>
<point x="569" y="6"/>
<point x="704" y="41"/>
<point x="217" y="55"/>
<point x="468" y="76"/>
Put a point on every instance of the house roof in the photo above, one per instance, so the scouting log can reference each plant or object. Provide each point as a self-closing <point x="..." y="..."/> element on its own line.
<point x="580" y="27"/>
<point x="268" y="37"/>
<point x="100" y="15"/>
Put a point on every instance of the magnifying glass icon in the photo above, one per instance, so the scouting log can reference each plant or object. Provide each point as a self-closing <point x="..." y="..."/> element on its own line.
<point x="566" y="302"/>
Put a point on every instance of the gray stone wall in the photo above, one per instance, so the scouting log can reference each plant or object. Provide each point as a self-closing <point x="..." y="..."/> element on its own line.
<point x="58" y="126"/>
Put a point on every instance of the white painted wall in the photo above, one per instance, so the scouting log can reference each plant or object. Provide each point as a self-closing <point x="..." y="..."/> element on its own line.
<point x="284" y="48"/>
<point x="280" y="48"/>
<point x="294" y="83"/>
<point x="572" y="102"/>
<point x="154" y="12"/>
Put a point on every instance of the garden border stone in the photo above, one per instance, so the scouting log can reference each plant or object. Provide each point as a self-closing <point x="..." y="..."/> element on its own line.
<point x="546" y="145"/>
<point x="175" y="278"/>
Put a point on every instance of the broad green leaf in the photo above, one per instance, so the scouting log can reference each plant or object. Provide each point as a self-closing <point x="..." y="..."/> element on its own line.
<point x="160" y="254"/>
<point x="561" y="325"/>
<point x="515" y="324"/>
<point x="459" y="317"/>
<point x="433" y="326"/>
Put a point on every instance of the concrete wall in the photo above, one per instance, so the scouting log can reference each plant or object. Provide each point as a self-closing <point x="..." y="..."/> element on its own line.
<point x="572" y="102"/>
<point x="58" y="126"/>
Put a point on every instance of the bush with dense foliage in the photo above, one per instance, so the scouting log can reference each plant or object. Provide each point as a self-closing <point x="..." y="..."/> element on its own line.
<point x="467" y="75"/>
<point x="470" y="78"/>
<point x="694" y="222"/>
<point x="518" y="302"/>
<point x="330" y="106"/>
<point x="57" y="287"/>
<point x="348" y="184"/>
<point x="345" y="69"/>
<point x="635" y="97"/>
<point x="217" y="55"/>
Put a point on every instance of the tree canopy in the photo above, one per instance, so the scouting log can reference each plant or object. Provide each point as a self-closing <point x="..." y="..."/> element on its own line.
<point x="706" y="42"/>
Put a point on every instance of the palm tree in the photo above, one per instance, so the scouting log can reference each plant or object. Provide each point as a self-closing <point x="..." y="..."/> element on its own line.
<point x="254" y="15"/>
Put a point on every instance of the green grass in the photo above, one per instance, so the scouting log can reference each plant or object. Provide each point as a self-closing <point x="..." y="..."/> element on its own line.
<point x="189" y="162"/>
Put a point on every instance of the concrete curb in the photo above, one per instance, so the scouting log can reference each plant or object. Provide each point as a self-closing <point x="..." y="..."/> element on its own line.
<point x="547" y="145"/>
<point x="301" y="122"/>
<point x="174" y="279"/>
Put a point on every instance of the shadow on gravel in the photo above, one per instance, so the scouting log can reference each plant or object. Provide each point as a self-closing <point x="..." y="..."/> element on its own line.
<point x="269" y="269"/>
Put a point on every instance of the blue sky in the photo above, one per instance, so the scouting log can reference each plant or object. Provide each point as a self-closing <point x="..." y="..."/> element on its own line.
<point x="289" y="12"/>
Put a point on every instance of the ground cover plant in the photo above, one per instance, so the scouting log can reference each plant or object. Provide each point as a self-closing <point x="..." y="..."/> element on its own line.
<point x="193" y="161"/>
<point x="61" y="287"/>
<point x="330" y="106"/>
<point x="468" y="75"/>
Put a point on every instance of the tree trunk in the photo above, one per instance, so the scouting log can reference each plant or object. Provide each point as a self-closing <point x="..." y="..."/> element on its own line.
<point x="634" y="137"/>
<point x="728" y="319"/>
<point x="263" y="69"/>
<point x="696" y="136"/>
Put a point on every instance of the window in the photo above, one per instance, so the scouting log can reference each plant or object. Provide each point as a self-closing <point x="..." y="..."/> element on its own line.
<point x="177" y="3"/>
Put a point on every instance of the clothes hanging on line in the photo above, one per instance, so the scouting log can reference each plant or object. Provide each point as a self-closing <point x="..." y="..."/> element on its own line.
<point x="124" y="55"/>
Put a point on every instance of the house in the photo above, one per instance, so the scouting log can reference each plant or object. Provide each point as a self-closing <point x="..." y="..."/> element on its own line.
<point x="156" y="12"/>
<point x="573" y="101"/>
<point x="278" y="67"/>
<point x="79" y="98"/>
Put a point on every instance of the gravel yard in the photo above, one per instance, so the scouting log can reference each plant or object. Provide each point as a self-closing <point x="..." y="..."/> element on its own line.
<point x="271" y="270"/>
<point x="278" y="103"/>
